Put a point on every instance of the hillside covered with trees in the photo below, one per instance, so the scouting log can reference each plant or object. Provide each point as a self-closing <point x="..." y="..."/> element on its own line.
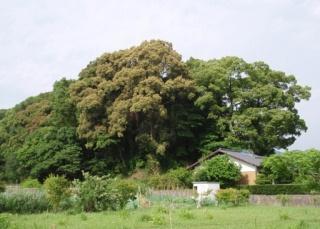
<point x="145" y="108"/>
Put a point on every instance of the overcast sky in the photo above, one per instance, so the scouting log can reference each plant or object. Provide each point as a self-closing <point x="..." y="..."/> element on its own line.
<point x="42" y="41"/>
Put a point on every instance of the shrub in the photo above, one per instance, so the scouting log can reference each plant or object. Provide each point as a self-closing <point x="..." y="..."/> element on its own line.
<point x="279" y="189"/>
<point x="232" y="196"/>
<point x="186" y="214"/>
<point x="103" y="193"/>
<point x="284" y="216"/>
<point x="2" y="186"/>
<point x="284" y="199"/>
<point x="174" y="178"/>
<point x="57" y="190"/>
<point x="127" y="189"/>
<point x="4" y="222"/>
<point x="30" y="183"/>
<point x="145" y="218"/>
<point x="181" y="176"/>
<point x="293" y="167"/>
<point x="24" y="202"/>
<point x="263" y="179"/>
<point x="219" y="169"/>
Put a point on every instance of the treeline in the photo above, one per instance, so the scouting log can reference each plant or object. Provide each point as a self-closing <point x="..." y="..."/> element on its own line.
<point x="145" y="108"/>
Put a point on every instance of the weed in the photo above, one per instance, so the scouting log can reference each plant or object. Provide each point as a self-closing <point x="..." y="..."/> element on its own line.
<point x="83" y="217"/>
<point x="302" y="225"/>
<point x="4" y="222"/>
<point x="284" y="216"/>
<point x="62" y="223"/>
<point x="284" y="199"/>
<point x="186" y="214"/>
<point x="162" y="209"/>
<point x="158" y="220"/>
<point x="124" y="214"/>
<point x="145" y="218"/>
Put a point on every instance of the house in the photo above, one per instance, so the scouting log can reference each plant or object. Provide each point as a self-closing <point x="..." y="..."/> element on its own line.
<point x="249" y="163"/>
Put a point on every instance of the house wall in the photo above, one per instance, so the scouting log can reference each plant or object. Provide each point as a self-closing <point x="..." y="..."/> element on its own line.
<point x="244" y="167"/>
<point x="249" y="172"/>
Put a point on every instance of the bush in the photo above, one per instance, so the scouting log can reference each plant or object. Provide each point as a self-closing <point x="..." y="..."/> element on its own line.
<point x="276" y="189"/>
<point x="219" y="169"/>
<point x="103" y="193"/>
<point x="57" y="189"/>
<point x="284" y="199"/>
<point x="174" y="178"/>
<point x="30" y="183"/>
<point x="24" y="202"/>
<point x="4" y="222"/>
<point x="232" y="196"/>
<point x="2" y="187"/>
<point x="263" y="179"/>
<point x="127" y="190"/>
<point x="301" y="167"/>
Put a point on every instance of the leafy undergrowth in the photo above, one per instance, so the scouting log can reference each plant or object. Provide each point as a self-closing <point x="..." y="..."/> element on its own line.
<point x="166" y="215"/>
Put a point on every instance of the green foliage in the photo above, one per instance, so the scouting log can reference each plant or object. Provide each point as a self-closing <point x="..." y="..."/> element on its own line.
<point x="276" y="189"/>
<point x="248" y="105"/>
<point x="218" y="169"/>
<point x="17" y="124"/>
<point x="24" y="202"/>
<point x="293" y="167"/>
<point x="174" y="178"/>
<point x="103" y="193"/>
<point x="284" y="216"/>
<point x="284" y="199"/>
<point x="2" y="186"/>
<point x="127" y="190"/>
<point x="232" y="196"/>
<point x="143" y="107"/>
<point x="186" y="214"/>
<point x="57" y="190"/>
<point x="4" y="222"/>
<point x="263" y="179"/>
<point x="31" y="183"/>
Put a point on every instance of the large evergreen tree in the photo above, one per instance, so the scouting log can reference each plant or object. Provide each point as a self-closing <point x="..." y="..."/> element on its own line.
<point x="248" y="105"/>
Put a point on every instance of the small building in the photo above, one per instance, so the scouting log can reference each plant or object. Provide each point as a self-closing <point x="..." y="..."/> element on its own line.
<point x="206" y="188"/>
<point x="249" y="163"/>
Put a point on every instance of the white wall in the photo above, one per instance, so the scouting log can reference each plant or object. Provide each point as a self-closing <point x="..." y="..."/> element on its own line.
<point x="245" y="167"/>
<point x="205" y="187"/>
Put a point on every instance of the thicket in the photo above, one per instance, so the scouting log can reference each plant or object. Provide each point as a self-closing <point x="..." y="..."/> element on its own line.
<point x="232" y="196"/>
<point x="104" y="193"/>
<point x="298" y="167"/>
<point x="24" y="202"/>
<point x="173" y="179"/>
<point x="30" y="183"/>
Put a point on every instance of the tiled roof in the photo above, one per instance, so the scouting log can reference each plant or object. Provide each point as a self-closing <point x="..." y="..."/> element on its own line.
<point x="244" y="156"/>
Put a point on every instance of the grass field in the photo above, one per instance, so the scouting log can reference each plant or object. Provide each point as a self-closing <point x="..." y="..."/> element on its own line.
<point x="162" y="216"/>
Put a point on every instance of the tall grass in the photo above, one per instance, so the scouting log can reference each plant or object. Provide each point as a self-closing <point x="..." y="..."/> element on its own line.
<point x="24" y="202"/>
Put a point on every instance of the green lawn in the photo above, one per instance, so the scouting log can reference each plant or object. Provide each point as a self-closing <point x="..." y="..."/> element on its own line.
<point x="248" y="217"/>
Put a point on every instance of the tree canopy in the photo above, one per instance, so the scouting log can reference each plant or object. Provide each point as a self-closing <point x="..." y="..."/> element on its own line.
<point x="145" y="106"/>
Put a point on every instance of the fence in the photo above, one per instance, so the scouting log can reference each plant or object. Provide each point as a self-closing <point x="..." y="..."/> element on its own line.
<point x="290" y="200"/>
<point x="174" y="193"/>
<point x="18" y="188"/>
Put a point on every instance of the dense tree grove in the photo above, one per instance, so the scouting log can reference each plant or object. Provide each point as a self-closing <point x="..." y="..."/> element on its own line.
<point x="300" y="167"/>
<point x="144" y="107"/>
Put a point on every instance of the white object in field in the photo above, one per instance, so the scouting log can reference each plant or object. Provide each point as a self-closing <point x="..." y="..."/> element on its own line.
<point x="205" y="190"/>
